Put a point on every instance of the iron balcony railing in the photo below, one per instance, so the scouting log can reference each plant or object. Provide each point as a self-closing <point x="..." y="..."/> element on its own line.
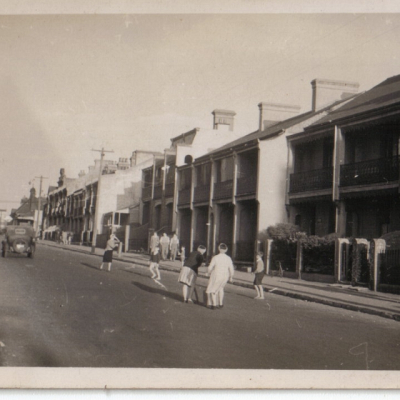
<point x="367" y="172"/>
<point x="246" y="185"/>
<point x="202" y="193"/>
<point x="223" y="190"/>
<point x="311" y="180"/>
<point x="78" y="211"/>
<point x="184" y="197"/>
<point x="169" y="189"/>
<point x="146" y="193"/>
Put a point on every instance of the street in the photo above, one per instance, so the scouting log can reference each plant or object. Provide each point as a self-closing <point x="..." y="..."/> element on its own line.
<point x="60" y="310"/>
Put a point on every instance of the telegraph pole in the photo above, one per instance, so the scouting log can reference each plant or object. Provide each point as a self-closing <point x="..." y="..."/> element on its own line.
<point x="39" y="201"/>
<point x="96" y="209"/>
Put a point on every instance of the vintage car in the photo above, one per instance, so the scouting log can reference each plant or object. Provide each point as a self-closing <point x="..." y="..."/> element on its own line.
<point x="19" y="239"/>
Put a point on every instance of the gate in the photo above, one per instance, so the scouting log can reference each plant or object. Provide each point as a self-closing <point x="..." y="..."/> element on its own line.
<point x="360" y="264"/>
<point x="283" y="256"/>
<point x="364" y="266"/>
<point x="346" y="262"/>
<point x="389" y="267"/>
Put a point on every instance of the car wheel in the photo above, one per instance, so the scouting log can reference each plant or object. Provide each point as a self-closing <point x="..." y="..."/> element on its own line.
<point x="32" y="252"/>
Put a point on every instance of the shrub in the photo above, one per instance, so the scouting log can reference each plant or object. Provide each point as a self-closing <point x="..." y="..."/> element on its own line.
<point x="286" y="232"/>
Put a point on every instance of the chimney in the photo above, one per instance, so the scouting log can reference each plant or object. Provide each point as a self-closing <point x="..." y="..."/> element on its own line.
<point x="327" y="91"/>
<point x="81" y="173"/>
<point x="223" y="117"/>
<point x="272" y="113"/>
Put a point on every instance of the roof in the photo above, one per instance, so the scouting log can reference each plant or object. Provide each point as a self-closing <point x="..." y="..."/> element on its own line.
<point x="186" y="137"/>
<point x="29" y="205"/>
<point x="271" y="131"/>
<point x="387" y="93"/>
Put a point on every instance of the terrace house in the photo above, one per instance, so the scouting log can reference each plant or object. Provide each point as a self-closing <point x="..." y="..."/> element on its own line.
<point x="239" y="188"/>
<point x="344" y="169"/>
<point x="162" y="182"/>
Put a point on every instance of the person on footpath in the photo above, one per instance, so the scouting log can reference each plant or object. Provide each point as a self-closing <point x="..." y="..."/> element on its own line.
<point x="154" y="242"/>
<point x="112" y="244"/>
<point x="164" y="242"/>
<point x="155" y="263"/>
<point x="173" y="247"/>
<point x="183" y="255"/>
<point x="259" y="275"/>
<point x="221" y="271"/>
<point x="64" y="237"/>
<point x="189" y="272"/>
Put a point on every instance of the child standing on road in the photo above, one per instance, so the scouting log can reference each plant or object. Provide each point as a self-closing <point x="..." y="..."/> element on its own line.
<point x="112" y="243"/>
<point x="259" y="275"/>
<point x="154" y="263"/>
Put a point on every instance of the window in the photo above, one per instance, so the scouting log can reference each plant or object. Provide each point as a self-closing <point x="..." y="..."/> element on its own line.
<point x="203" y="174"/>
<point x="185" y="179"/>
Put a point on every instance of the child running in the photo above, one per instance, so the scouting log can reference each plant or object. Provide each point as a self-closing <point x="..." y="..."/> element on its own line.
<point x="154" y="263"/>
<point x="259" y="275"/>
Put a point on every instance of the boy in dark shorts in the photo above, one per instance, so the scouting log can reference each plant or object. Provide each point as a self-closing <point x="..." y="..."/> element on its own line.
<point x="154" y="261"/>
<point x="259" y="275"/>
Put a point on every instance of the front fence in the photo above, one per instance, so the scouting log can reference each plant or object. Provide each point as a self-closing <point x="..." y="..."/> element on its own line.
<point x="356" y="262"/>
<point x="390" y="267"/>
<point x="283" y="257"/>
<point x="319" y="260"/>
<point x="138" y="245"/>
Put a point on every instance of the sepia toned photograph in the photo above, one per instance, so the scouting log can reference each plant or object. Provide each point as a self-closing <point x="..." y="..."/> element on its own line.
<point x="200" y="199"/>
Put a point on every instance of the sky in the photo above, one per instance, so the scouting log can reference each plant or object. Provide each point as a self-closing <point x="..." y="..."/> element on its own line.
<point x="131" y="81"/>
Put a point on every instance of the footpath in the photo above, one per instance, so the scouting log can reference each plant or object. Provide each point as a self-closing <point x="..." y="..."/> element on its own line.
<point x="359" y="299"/>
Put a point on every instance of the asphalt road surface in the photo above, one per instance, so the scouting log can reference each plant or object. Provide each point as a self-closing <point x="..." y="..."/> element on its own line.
<point x="60" y="310"/>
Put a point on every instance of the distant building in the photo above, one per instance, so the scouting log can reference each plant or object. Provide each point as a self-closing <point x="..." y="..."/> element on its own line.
<point x="71" y="206"/>
<point x="28" y="213"/>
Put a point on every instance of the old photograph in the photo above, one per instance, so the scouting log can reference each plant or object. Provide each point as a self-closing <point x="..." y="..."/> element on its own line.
<point x="200" y="200"/>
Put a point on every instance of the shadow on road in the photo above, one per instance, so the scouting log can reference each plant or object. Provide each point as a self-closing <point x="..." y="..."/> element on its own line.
<point x="145" y="273"/>
<point x="91" y="266"/>
<point x="162" y="292"/>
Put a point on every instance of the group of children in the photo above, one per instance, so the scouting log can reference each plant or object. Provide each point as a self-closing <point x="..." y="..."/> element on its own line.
<point x="155" y="258"/>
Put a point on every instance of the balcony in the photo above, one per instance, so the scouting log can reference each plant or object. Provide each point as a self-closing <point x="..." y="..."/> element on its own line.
<point x="158" y="191"/>
<point x="184" y="197"/>
<point x="202" y="193"/>
<point x="78" y="211"/>
<point x="381" y="170"/>
<point x="318" y="179"/>
<point x="246" y="185"/>
<point x="223" y="190"/>
<point x="146" y="193"/>
<point x="169" y="189"/>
